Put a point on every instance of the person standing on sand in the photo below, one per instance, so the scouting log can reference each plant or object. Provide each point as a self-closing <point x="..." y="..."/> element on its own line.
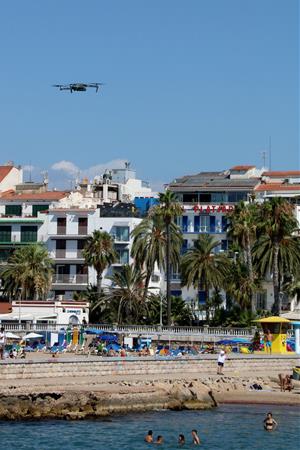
<point x="221" y="362"/>
<point x="149" y="437"/>
<point x="268" y="338"/>
<point x="196" y="439"/>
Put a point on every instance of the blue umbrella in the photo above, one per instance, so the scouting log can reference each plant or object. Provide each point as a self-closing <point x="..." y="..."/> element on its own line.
<point x="233" y="341"/>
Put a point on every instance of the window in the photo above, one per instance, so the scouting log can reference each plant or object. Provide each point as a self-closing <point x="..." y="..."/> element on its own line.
<point x="155" y="278"/>
<point x="261" y="300"/>
<point x="212" y="224"/>
<point x="5" y="233"/>
<point x="28" y="233"/>
<point x="61" y="225"/>
<point x="205" y="198"/>
<point x="196" y="224"/>
<point x="60" y="248"/>
<point x="204" y="224"/>
<point x="235" y="197"/>
<point x="37" y="208"/>
<point x="224" y="245"/>
<point x="121" y="233"/>
<point x="190" y="198"/>
<point x="184" y="223"/>
<point x="122" y="256"/>
<point x="13" y="210"/>
<point x="184" y="246"/>
<point x="176" y="293"/>
<point x="218" y="197"/>
<point x="202" y="297"/>
<point x="82" y="225"/>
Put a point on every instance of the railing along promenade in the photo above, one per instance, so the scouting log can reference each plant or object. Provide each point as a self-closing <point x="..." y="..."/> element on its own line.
<point x="141" y="329"/>
<point x="204" y="332"/>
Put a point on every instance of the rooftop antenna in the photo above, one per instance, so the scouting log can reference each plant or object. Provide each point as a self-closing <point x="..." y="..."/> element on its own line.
<point x="30" y="172"/>
<point x="264" y="158"/>
<point x="270" y="153"/>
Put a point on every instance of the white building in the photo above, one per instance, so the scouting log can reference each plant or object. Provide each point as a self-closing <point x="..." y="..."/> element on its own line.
<point x="61" y="312"/>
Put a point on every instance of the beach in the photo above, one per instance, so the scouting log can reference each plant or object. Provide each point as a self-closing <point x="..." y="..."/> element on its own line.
<point x="132" y="386"/>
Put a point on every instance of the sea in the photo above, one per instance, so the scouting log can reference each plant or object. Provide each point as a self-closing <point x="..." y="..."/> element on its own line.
<point x="228" y="427"/>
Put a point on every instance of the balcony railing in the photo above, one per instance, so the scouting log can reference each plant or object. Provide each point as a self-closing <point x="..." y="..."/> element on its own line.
<point x="64" y="254"/>
<point x="70" y="279"/>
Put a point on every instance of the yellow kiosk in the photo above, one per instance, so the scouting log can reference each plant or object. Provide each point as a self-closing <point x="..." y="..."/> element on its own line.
<point x="278" y="327"/>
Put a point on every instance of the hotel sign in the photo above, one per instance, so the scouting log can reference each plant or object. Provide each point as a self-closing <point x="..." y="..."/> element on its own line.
<point x="211" y="209"/>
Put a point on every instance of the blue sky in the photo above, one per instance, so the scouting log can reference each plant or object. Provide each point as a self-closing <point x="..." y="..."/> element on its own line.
<point x="190" y="85"/>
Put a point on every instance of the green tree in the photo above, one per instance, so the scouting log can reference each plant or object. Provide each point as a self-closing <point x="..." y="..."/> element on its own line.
<point x="240" y="286"/>
<point x="168" y="209"/>
<point x="277" y="250"/>
<point x="127" y="293"/>
<point x="99" y="253"/>
<point x="201" y="267"/>
<point x="242" y="230"/>
<point x="181" y="312"/>
<point x="28" y="274"/>
<point x="150" y="243"/>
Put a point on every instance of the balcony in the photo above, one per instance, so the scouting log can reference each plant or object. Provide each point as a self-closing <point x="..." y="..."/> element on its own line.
<point x="82" y="230"/>
<point x="68" y="256"/>
<point x="203" y="229"/>
<point x="70" y="279"/>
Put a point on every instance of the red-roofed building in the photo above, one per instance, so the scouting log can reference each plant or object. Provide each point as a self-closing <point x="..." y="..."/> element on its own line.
<point x="10" y="176"/>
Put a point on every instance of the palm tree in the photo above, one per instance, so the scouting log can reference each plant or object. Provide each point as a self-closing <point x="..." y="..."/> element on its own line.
<point x="28" y="273"/>
<point x="277" y="250"/>
<point x="168" y="209"/>
<point x="181" y="311"/>
<point x="242" y="229"/>
<point x="127" y="292"/>
<point x="240" y="286"/>
<point x="202" y="267"/>
<point x="149" y="246"/>
<point x="99" y="253"/>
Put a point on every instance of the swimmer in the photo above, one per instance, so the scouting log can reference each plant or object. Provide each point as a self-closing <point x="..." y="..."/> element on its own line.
<point x="269" y="423"/>
<point x="159" y="440"/>
<point x="181" y="439"/>
<point x="196" y="439"/>
<point x="149" y="437"/>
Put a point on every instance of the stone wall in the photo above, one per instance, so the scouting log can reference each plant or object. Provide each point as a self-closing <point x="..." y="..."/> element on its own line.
<point x="110" y="367"/>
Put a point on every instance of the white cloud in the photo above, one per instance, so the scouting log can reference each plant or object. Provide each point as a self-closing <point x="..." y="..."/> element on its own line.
<point x="66" y="166"/>
<point x="70" y="168"/>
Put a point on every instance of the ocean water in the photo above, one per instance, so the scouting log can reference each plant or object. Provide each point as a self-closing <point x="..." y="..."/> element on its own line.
<point x="229" y="427"/>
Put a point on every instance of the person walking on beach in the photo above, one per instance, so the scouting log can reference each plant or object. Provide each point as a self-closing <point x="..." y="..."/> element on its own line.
<point x="221" y="362"/>
<point x="268" y="338"/>
<point x="149" y="437"/>
<point x="195" y="437"/>
<point x="269" y="423"/>
<point x="2" y="342"/>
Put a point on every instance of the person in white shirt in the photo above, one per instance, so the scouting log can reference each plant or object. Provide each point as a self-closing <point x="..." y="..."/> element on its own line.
<point x="2" y="342"/>
<point x="221" y="361"/>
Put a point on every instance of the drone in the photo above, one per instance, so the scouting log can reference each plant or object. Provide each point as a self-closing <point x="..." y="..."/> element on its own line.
<point x="77" y="87"/>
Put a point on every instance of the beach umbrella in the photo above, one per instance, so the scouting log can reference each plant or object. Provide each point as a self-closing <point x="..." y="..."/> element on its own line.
<point x="68" y="335"/>
<point x="93" y="331"/>
<point x="81" y="336"/>
<point x="10" y="335"/>
<point x="32" y="336"/>
<point x="108" y="337"/>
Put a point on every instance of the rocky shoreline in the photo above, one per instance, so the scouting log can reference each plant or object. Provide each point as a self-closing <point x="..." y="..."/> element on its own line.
<point x="103" y="399"/>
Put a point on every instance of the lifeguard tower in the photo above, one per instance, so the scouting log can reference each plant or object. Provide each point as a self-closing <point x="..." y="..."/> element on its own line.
<point x="278" y="327"/>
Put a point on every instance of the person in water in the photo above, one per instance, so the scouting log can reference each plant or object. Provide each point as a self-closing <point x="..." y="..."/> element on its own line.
<point x="159" y="440"/>
<point x="269" y="423"/>
<point x="181" y="439"/>
<point x="195" y="437"/>
<point x="149" y="437"/>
